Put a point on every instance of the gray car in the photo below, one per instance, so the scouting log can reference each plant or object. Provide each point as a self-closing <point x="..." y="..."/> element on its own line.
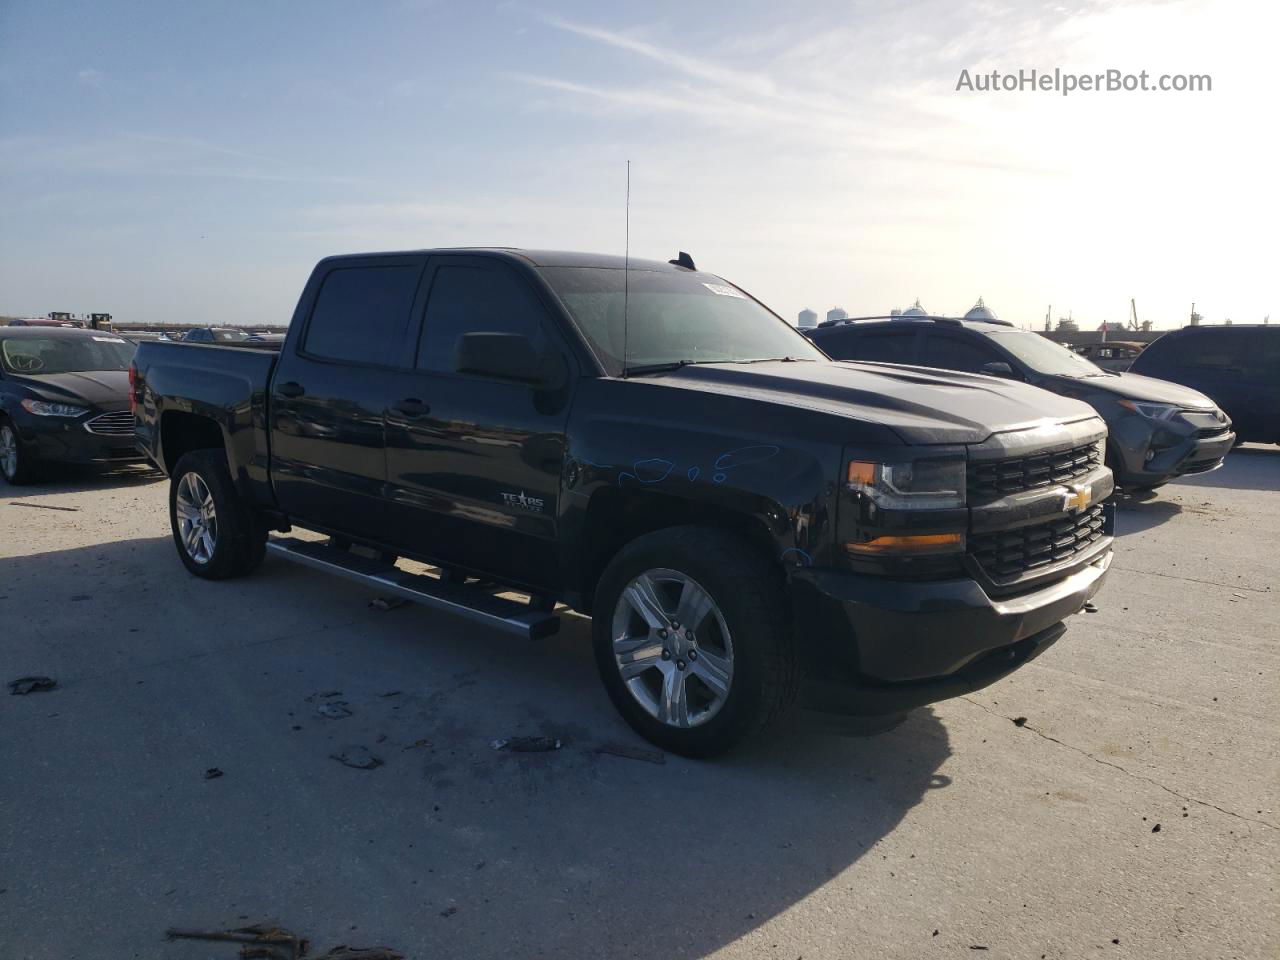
<point x="1158" y="430"/>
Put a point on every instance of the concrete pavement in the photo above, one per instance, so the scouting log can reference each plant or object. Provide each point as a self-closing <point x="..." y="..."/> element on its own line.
<point x="957" y="830"/>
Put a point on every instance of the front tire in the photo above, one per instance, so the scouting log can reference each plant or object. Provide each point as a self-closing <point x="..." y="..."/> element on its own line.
<point x="217" y="534"/>
<point x="691" y="640"/>
<point x="16" y="465"/>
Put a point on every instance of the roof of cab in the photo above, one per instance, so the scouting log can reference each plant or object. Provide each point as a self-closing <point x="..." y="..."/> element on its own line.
<point x="536" y="258"/>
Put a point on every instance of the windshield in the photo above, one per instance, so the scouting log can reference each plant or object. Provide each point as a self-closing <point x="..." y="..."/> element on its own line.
<point x="672" y="318"/>
<point x="65" y="354"/>
<point x="1044" y="356"/>
<point x="230" y="335"/>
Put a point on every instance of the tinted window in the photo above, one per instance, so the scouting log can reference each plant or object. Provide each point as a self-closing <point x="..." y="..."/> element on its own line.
<point x="1158" y="355"/>
<point x="1209" y="348"/>
<point x="361" y="313"/>
<point x="884" y="346"/>
<point x="667" y="316"/>
<point x="1266" y="355"/>
<point x="837" y="344"/>
<point x="956" y="353"/>
<point x="475" y="299"/>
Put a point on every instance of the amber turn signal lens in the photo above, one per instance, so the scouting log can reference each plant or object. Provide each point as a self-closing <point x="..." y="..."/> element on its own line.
<point x="920" y="543"/>
<point x="861" y="473"/>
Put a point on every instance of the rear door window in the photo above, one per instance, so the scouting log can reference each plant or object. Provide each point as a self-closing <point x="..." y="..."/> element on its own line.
<point x="1211" y="348"/>
<point x="885" y="346"/>
<point x="475" y="297"/>
<point x="361" y="313"/>
<point x="1265" y="355"/>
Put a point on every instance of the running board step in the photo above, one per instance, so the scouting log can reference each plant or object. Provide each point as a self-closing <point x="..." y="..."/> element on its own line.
<point x="473" y="603"/>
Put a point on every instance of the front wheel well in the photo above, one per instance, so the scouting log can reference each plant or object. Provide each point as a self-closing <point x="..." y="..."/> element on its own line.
<point x="182" y="432"/>
<point x="615" y="518"/>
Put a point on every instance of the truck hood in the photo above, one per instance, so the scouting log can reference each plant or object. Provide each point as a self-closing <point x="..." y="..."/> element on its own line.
<point x="920" y="405"/>
<point x="93" y="387"/>
<point x="1134" y="386"/>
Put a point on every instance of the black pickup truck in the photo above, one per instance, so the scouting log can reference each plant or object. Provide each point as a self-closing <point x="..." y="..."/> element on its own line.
<point x="746" y="520"/>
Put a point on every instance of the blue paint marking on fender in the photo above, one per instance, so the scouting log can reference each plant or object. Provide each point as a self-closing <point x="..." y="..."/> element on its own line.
<point x="656" y="469"/>
<point x="743" y="456"/>
<point x="653" y="470"/>
<point x="799" y="556"/>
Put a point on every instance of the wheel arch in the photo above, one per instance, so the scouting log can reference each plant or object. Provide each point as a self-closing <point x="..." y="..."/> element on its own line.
<point x="615" y="517"/>
<point x="182" y="432"/>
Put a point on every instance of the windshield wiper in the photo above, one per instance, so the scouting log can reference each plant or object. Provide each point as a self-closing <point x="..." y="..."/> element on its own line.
<point x="665" y="367"/>
<point x="677" y="364"/>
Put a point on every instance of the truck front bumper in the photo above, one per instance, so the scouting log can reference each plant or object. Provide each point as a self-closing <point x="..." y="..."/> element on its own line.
<point x="881" y="646"/>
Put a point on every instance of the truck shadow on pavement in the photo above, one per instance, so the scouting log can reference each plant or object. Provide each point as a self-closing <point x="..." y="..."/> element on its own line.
<point x="1137" y="512"/>
<point x="449" y="847"/>
<point x="74" y="478"/>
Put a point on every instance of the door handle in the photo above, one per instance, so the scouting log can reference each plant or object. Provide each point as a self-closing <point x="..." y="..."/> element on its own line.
<point x="291" y="389"/>
<point x="412" y="407"/>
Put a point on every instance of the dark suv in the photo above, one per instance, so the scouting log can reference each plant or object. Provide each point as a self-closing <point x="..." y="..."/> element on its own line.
<point x="1238" y="366"/>
<point x="1157" y="430"/>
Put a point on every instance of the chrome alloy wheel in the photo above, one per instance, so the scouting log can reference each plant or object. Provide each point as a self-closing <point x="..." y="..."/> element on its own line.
<point x="197" y="519"/>
<point x="672" y="648"/>
<point x="8" y="451"/>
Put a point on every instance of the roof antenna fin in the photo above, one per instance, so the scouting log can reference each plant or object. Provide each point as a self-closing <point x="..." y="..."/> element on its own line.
<point x="683" y="260"/>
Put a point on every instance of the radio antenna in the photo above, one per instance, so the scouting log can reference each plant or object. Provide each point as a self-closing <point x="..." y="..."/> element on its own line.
<point x="626" y="271"/>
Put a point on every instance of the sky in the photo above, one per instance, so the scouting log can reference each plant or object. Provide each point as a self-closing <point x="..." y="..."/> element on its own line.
<point x="190" y="162"/>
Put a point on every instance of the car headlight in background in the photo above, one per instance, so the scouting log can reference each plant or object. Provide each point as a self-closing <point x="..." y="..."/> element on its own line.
<point x="1152" y="411"/>
<point x="910" y="485"/>
<point x="42" y="408"/>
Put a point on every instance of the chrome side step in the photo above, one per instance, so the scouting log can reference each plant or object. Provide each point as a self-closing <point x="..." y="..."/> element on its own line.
<point x="473" y="603"/>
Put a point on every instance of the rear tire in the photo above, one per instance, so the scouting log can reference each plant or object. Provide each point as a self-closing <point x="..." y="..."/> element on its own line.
<point x="217" y="534"/>
<point x="17" y="466"/>
<point x="700" y="687"/>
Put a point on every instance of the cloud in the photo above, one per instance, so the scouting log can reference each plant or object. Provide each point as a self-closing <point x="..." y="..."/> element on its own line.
<point x="149" y="155"/>
<point x="701" y="69"/>
<point x="90" y="77"/>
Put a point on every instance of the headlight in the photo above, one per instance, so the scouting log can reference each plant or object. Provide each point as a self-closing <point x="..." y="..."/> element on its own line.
<point x="1153" y="411"/>
<point x="42" y="408"/>
<point x="912" y="485"/>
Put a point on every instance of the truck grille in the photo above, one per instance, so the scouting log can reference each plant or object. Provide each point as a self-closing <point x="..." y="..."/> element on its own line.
<point x="119" y="424"/>
<point x="994" y="479"/>
<point x="1011" y="553"/>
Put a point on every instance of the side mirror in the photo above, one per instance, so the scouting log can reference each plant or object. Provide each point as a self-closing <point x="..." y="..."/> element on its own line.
<point x="504" y="356"/>
<point x="998" y="368"/>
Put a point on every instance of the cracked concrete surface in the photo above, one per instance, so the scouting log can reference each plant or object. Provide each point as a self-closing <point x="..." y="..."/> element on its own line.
<point x="1039" y="840"/>
<point x="1115" y="766"/>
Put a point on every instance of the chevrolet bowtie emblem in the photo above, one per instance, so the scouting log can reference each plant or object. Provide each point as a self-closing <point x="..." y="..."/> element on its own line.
<point x="1076" y="498"/>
